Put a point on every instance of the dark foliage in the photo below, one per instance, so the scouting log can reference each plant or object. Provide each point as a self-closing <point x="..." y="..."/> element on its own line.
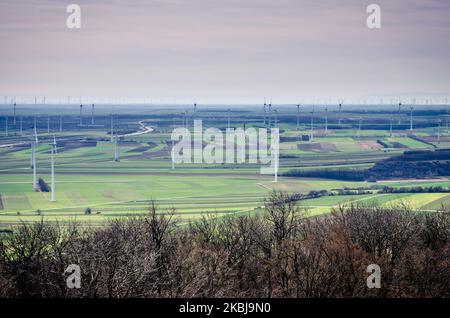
<point x="436" y="189"/>
<point x="412" y="164"/>
<point x="280" y="253"/>
<point x="43" y="186"/>
<point x="410" y="169"/>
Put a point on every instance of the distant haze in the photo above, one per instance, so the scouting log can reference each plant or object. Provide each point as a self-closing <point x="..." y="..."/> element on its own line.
<point x="219" y="51"/>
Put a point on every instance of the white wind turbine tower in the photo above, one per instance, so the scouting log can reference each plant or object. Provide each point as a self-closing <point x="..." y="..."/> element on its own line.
<point x="269" y="115"/>
<point x="81" y="115"/>
<point x="33" y="164"/>
<point x="6" y="126"/>
<point x="14" y="112"/>
<point x="92" y="115"/>
<point x="112" y="127"/>
<point x="34" y="144"/>
<point x="264" y="111"/>
<point x="52" y="158"/>
<point x="35" y="132"/>
<point x="116" y="149"/>
<point x="48" y="124"/>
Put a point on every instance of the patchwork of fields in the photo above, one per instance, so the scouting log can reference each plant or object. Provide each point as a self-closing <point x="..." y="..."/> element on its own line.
<point x="88" y="179"/>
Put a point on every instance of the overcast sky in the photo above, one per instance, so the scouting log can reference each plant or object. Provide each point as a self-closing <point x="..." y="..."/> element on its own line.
<point x="225" y="50"/>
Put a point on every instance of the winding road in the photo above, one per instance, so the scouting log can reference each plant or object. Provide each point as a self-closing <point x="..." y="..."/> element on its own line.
<point x="142" y="130"/>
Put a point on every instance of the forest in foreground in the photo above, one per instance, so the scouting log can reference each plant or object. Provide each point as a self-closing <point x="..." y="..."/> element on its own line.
<point x="279" y="253"/>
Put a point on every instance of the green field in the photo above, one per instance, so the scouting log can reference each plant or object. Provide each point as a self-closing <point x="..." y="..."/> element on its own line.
<point x="88" y="177"/>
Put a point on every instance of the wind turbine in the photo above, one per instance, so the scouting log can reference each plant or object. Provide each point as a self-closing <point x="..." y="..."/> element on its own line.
<point x="116" y="149"/>
<point x="92" y="115"/>
<point x="34" y="144"/>
<point x="33" y="164"/>
<point x="411" y="108"/>
<point x="60" y="123"/>
<point x="55" y="144"/>
<point x="6" y="126"/>
<point x="52" y="158"/>
<point x="81" y="115"/>
<point x="112" y="127"/>
<point x="14" y="112"/>
<point x="269" y="114"/>
<point x="48" y="124"/>
<point x="35" y="132"/>
<point x="399" y="110"/>
<point x="340" y="111"/>
<point x="264" y="111"/>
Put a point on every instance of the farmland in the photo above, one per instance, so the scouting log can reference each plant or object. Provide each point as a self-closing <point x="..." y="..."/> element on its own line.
<point x="92" y="188"/>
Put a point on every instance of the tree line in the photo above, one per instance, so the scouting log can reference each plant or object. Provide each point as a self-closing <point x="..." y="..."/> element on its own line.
<point x="411" y="164"/>
<point x="279" y="253"/>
